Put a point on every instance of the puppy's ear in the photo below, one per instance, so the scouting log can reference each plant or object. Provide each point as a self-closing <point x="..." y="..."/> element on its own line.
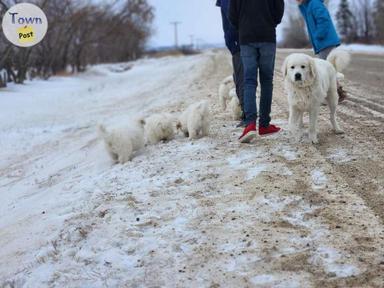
<point x="312" y="68"/>
<point x="284" y="68"/>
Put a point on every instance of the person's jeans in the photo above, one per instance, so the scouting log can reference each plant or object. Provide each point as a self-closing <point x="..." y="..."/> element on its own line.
<point x="238" y="76"/>
<point x="258" y="58"/>
<point x="323" y="54"/>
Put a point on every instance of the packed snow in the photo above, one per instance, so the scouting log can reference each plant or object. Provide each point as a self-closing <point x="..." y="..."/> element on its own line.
<point x="363" y="48"/>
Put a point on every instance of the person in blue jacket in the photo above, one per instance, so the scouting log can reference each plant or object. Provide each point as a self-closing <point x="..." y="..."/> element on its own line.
<point x="321" y="30"/>
<point x="320" y="27"/>
<point x="231" y="36"/>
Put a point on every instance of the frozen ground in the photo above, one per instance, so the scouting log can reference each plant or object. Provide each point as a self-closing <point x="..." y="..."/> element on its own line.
<point x="207" y="213"/>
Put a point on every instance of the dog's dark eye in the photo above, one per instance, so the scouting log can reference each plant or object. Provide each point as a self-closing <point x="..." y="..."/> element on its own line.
<point x="303" y="67"/>
<point x="292" y="67"/>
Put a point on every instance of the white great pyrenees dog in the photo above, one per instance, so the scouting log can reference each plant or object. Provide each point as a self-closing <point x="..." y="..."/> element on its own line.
<point x="194" y="122"/>
<point x="309" y="82"/>
<point x="159" y="127"/>
<point x="225" y="87"/>
<point x="122" y="142"/>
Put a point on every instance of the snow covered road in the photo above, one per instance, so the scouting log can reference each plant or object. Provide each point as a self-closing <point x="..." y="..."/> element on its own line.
<point x="207" y="213"/>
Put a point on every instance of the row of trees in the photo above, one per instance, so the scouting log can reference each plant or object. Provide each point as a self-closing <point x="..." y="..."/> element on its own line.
<point x="359" y="21"/>
<point x="80" y="33"/>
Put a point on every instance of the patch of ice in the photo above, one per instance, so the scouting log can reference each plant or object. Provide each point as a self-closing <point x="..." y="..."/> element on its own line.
<point x="263" y="279"/>
<point x="339" y="156"/>
<point x="282" y="280"/>
<point x="333" y="262"/>
<point x="287" y="152"/>
<point x="238" y="161"/>
<point x="290" y="155"/>
<point x="297" y="216"/>
<point x="241" y="262"/>
<point x="249" y="161"/>
<point x="256" y="171"/>
<point x="319" y="179"/>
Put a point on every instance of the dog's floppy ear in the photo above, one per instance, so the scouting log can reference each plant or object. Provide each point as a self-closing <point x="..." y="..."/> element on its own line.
<point x="284" y="68"/>
<point x="312" y="68"/>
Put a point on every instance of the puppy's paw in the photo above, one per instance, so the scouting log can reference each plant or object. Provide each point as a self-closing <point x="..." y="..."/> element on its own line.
<point x="339" y="132"/>
<point x="314" y="139"/>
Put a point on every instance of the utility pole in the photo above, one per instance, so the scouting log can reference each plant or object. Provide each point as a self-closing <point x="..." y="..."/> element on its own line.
<point x="176" y="24"/>
<point x="192" y="40"/>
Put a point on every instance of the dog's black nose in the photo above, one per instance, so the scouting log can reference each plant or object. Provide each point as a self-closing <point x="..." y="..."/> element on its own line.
<point x="297" y="76"/>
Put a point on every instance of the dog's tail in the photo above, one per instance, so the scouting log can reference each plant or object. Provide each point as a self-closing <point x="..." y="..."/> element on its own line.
<point x="203" y="110"/>
<point x="340" y="59"/>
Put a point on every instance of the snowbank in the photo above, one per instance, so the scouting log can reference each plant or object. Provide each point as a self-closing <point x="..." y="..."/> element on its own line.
<point x="366" y="49"/>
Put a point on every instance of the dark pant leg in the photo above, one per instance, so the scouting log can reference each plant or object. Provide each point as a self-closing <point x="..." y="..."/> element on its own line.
<point x="238" y="76"/>
<point x="249" y="56"/>
<point x="266" y="69"/>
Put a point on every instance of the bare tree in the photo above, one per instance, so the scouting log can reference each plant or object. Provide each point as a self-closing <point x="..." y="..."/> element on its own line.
<point x="295" y="35"/>
<point x="80" y="33"/>
<point x="345" y="23"/>
<point x="363" y="10"/>
<point x="379" y="20"/>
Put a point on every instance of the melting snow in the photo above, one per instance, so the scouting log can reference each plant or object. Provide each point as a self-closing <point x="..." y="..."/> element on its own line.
<point x="333" y="262"/>
<point x="319" y="179"/>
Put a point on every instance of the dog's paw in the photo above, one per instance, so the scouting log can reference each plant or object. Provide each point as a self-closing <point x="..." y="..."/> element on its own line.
<point x="339" y="132"/>
<point x="314" y="139"/>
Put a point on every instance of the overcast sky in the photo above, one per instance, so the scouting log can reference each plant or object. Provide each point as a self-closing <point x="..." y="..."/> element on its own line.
<point x="200" y="18"/>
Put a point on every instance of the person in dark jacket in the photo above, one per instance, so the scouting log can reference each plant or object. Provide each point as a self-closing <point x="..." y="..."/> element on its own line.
<point x="256" y="22"/>
<point x="231" y="36"/>
<point x="321" y="31"/>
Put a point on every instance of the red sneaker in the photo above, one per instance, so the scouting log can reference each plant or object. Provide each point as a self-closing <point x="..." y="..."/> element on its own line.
<point x="249" y="133"/>
<point x="271" y="129"/>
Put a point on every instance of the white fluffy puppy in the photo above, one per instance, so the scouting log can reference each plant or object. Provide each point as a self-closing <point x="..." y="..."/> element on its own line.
<point x="194" y="122"/>
<point x="308" y="82"/>
<point x="234" y="106"/>
<point x="159" y="127"/>
<point x="121" y="143"/>
<point x="232" y="93"/>
<point x="225" y="87"/>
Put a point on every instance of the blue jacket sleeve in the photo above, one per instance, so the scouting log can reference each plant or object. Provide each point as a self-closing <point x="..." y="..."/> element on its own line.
<point x="323" y="20"/>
